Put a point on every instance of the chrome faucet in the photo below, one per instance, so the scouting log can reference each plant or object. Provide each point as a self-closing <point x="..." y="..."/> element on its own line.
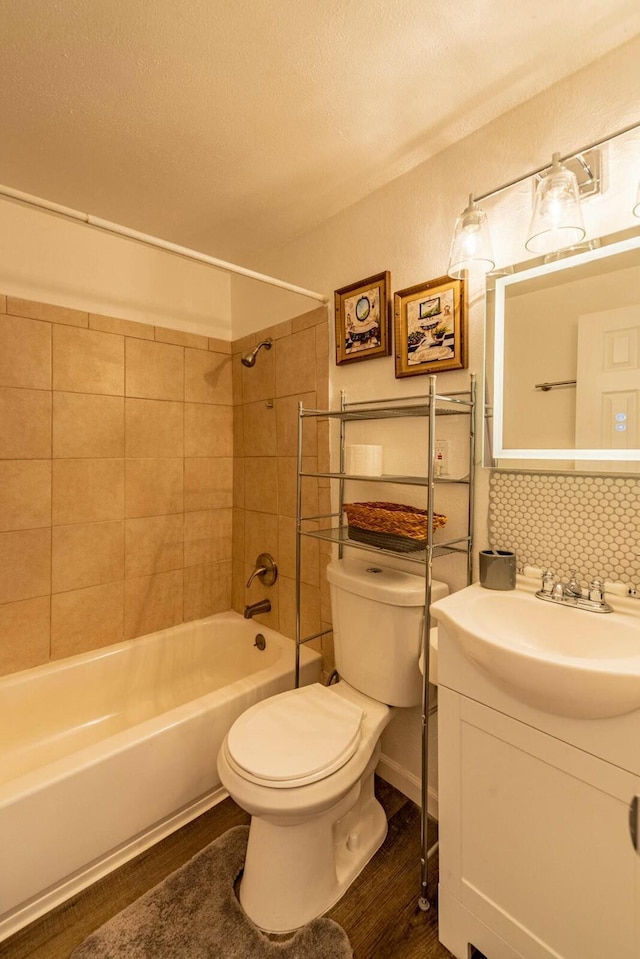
<point x="262" y="606"/>
<point x="573" y="594"/>
<point x="265" y="569"/>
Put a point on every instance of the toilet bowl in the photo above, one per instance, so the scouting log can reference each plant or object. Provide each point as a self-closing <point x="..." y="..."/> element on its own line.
<point x="302" y="763"/>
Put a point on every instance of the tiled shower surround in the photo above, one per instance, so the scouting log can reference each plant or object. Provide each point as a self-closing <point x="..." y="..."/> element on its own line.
<point x="565" y="521"/>
<point x="116" y="445"/>
<point x="266" y="399"/>
<point x="117" y="479"/>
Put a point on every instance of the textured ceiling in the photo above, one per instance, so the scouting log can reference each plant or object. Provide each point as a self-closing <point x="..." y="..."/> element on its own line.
<point x="231" y="127"/>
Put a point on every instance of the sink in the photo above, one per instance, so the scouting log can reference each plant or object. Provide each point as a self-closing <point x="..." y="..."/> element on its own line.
<point x="557" y="658"/>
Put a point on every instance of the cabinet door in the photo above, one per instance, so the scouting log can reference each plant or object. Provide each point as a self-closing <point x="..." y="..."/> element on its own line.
<point x="535" y="839"/>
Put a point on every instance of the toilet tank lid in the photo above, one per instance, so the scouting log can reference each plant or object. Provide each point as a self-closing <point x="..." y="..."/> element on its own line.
<point x="381" y="583"/>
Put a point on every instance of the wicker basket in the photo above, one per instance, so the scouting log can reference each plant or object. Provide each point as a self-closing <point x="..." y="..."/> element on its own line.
<point x="392" y="526"/>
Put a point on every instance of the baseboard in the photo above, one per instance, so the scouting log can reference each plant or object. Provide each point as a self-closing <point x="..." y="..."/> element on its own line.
<point x="408" y="784"/>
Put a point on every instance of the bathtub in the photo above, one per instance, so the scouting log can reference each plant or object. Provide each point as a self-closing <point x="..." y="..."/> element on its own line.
<point x="105" y="753"/>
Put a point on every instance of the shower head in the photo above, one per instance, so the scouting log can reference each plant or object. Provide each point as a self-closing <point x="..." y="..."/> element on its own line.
<point x="249" y="359"/>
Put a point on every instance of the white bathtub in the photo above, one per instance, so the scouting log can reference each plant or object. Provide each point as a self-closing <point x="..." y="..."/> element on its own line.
<point x="105" y="753"/>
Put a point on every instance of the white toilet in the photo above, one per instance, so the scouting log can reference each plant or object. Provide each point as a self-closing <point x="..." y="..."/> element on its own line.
<point x="302" y="762"/>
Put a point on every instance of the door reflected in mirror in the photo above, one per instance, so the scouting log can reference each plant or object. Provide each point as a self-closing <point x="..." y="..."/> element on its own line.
<point x="565" y="376"/>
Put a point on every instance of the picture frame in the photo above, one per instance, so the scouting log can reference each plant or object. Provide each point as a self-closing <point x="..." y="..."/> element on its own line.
<point x="430" y="325"/>
<point x="363" y="319"/>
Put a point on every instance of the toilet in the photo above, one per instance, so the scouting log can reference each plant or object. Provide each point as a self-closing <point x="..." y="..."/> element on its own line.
<point x="302" y="762"/>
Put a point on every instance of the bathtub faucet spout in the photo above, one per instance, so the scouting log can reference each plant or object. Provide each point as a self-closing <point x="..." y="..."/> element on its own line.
<point x="262" y="606"/>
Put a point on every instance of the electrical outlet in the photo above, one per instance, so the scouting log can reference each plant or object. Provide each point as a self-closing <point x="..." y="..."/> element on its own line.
<point x="442" y="458"/>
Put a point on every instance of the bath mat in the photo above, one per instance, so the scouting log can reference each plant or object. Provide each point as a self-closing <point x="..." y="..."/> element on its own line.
<point x="194" y="914"/>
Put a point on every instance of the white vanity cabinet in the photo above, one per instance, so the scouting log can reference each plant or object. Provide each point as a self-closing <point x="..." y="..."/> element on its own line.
<point x="536" y="855"/>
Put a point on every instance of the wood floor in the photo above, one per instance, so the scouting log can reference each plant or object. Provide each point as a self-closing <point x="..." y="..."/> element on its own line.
<point x="379" y="912"/>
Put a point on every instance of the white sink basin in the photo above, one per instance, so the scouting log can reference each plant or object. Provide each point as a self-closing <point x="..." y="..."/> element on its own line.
<point x="564" y="660"/>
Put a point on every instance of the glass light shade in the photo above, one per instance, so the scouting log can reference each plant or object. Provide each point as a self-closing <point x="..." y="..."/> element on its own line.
<point x="557" y="217"/>
<point x="636" y="209"/>
<point x="471" y="249"/>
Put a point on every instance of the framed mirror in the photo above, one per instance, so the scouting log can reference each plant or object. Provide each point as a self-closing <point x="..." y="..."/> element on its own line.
<point x="563" y="361"/>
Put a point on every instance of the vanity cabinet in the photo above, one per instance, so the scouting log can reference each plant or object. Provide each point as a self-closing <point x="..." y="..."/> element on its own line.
<point x="536" y="854"/>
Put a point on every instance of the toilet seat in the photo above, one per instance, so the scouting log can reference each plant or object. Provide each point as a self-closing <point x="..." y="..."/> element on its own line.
<point x="294" y="738"/>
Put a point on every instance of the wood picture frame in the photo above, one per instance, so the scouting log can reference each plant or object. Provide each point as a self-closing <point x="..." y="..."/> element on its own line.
<point x="363" y="319"/>
<point x="430" y="324"/>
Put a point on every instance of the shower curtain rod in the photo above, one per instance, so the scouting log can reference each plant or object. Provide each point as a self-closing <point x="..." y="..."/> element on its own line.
<point x="123" y="231"/>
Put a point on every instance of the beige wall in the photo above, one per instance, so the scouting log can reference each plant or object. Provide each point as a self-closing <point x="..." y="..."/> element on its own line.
<point x="116" y="477"/>
<point x="266" y="399"/>
<point x="406" y="226"/>
<point x="55" y="260"/>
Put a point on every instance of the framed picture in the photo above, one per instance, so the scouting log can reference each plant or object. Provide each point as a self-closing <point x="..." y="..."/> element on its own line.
<point x="431" y="327"/>
<point x="363" y="319"/>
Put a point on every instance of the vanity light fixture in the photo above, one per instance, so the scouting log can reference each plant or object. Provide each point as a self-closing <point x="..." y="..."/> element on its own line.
<point x="471" y="249"/>
<point x="557" y="217"/>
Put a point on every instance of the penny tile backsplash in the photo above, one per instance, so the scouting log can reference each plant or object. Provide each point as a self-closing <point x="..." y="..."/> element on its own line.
<point x="587" y="523"/>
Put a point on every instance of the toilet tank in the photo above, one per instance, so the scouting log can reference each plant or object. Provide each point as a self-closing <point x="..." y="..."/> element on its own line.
<point x="377" y="628"/>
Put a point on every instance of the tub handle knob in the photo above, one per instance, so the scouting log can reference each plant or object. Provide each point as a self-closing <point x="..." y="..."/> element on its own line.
<point x="265" y="569"/>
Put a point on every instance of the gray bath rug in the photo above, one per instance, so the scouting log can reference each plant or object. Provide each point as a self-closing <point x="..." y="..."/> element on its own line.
<point x="194" y="914"/>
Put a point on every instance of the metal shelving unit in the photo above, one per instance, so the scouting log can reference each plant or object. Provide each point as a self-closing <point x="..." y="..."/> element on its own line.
<point x="430" y="407"/>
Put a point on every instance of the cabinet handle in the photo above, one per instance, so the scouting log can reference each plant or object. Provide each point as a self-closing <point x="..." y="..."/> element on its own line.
<point x="633" y="822"/>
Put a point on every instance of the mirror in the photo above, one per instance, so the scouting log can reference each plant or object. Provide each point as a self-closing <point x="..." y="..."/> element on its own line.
<point x="563" y="361"/>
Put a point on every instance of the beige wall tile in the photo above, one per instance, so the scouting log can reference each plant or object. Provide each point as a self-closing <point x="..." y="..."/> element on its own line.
<point x="207" y="590"/>
<point x="86" y="361"/>
<point x="86" y="619"/>
<point x="237" y="587"/>
<point x="259" y="381"/>
<point x="25" y="501"/>
<point x="154" y="428"/>
<point x="312" y="318"/>
<point x="236" y="379"/>
<point x="208" y="430"/>
<point x="154" y="544"/>
<point x="238" y="522"/>
<point x="3" y="303"/>
<point x="287" y="486"/>
<point x="238" y="431"/>
<point x="25" y="632"/>
<point x="180" y="338"/>
<point x="207" y="377"/>
<point x="258" y="429"/>
<point x="87" y="491"/>
<point x="208" y="483"/>
<point x="89" y="554"/>
<point x="25" y="564"/>
<point x="310" y="557"/>
<point x="287" y="425"/>
<point x="238" y="482"/>
<point x="86" y="425"/>
<point x="113" y="324"/>
<point x="260" y="536"/>
<point x="324" y="459"/>
<point x="47" y="312"/>
<point x="152" y="603"/>
<point x="207" y="537"/>
<point x="154" y="487"/>
<point x="219" y="346"/>
<point x="322" y="340"/>
<point x="296" y="364"/>
<point x="155" y="371"/>
<point x="276" y="332"/>
<point x="261" y="484"/>
<point x="25" y="424"/>
<point x="244" y="343"/>
<point x="310" y="622"/>
<point x="25" y="353"/>
<point x="322" y="382"/>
